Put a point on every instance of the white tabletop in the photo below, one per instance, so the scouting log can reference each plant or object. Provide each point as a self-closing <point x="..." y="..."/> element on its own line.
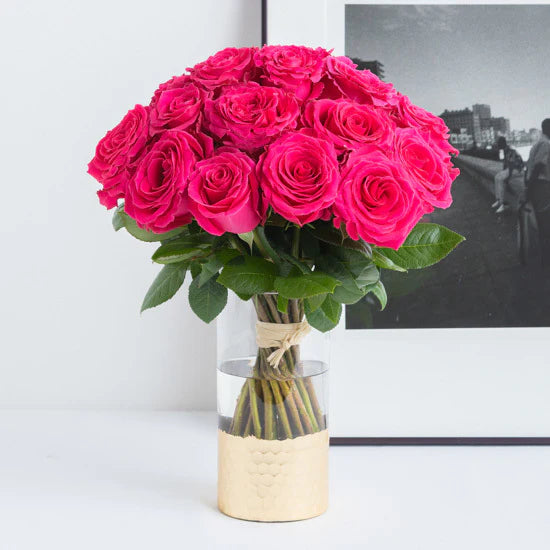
<point x="131" y="480"/>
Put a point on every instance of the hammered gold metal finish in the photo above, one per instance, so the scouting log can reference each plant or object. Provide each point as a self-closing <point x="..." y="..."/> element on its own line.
<point x="271" y="480"/>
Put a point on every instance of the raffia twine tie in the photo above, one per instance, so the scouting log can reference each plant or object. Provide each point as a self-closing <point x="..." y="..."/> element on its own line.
<point x="281" y="336"/>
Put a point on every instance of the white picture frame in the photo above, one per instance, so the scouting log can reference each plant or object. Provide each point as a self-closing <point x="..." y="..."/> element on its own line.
<point x="470" y="384"/>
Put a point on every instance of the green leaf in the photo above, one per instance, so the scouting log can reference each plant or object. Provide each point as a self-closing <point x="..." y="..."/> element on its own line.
<point x="354" y="260"/>
<point x="166" y="284"/>
<point x="384" y="262"/>
<point x="118" y="220"/>
<point x="427" y="244"/>
<point x="179" y="250"/>
<point x="348" y="296"/>
<point x="310" y="245"/>
<point x="195" y="269"/>
<point x="326" y="317"/>
<point x="248" y="238"/>
<point x="282" y="304"/>
<point x="251" y="275"/>
<point x="369" y="276"/>
<point x="243" y="297"/>
<point x="216" y="262"/>
<point x="300" y="266"/>
<point x="349" y="291"/>
<point x="379" y="290"/>
<point x="314" y="302"/>
<point x="305" y="286"/>
<point x="208" y="300"/>
<point x="121" y="219"/>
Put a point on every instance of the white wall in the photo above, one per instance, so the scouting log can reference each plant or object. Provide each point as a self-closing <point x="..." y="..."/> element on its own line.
<point x="70" y="330"/>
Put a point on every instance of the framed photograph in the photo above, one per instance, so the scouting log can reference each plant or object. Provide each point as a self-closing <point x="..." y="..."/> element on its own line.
<point x="484" y="312"/>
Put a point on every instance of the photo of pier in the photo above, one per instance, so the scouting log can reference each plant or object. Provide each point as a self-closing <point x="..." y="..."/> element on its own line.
<point x="484" y="70"/>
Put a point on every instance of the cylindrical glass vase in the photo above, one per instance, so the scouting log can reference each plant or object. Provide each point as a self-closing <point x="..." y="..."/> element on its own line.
<point x="272" y="411"/>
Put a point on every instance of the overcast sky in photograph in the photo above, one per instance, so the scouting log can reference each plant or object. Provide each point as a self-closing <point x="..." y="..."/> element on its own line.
<point x="450" y="56"/>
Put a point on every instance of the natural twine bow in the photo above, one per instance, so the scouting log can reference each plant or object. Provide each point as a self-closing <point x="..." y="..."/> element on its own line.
<point x="281" y="336"/>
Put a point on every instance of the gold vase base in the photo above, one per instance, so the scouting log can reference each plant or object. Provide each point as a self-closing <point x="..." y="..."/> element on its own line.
<point x="272" y="480"/>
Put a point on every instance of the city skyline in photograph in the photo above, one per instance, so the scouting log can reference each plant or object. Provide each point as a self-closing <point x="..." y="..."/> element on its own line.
<point x="484" y="70"/>
<point x="450" y="57"/>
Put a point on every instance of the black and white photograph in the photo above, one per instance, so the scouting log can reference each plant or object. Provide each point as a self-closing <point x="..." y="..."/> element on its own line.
<point x="484" y="70"/>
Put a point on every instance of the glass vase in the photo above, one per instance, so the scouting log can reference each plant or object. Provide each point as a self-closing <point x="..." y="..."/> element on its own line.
<point x="272" y="411"/>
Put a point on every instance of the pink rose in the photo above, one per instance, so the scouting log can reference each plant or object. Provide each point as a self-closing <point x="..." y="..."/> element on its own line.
<point x="299" y="176"/>
<point x="111" y="165"/>
<point x="249" y="116"/>
<point x="407" y="114"/>
<point x="344" y="80"/>
<point x="224" y="194"/>
<point x="155" y="196"/>
<point x="294" y="68"/>
<point x="228" y="66"/>
<point x="348" y="125"/>
<point x="177" y="108"/>
<point x="376" y="201"/>
<point x="175" y="82"/>
<point x="444" y="150"/>
<point x="425" y="165"/>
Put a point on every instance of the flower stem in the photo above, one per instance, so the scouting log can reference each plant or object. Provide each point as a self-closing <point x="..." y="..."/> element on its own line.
<point x="296" y="241"/>
<point x="280" y="406"/>
<point x="242" y="404"/>
<point x="268" y="411"/>
<point x="307" y="404"/>
<point x="263" y="245"/>
<point x="277" y="403"/>
<point x="254" y="409"/>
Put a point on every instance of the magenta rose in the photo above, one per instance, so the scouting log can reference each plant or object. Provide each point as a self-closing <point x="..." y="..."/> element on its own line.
<point x="376" y="200"/>
<point x="344" y="80"/>
<point x="224" y="193"/>
<point x="425" y="165"/>
<point x="444" y="151"/>
<point x="175" y="82"/>
<point x="177" y="108"/>
<point x="249" y="116"/>
<point x="114" y="154"/>
<point x="225" y="67"/>
<point x="348" y="125"/>
<point x="408" y="115"/>
<point x="299" y="176"/>
<point x="155" y="196"/>
<point x="294" y="68"/>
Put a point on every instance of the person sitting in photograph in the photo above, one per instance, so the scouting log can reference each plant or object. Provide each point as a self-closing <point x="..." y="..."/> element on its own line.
<point x="538" y="187"/>
<point x="512" y="167"/>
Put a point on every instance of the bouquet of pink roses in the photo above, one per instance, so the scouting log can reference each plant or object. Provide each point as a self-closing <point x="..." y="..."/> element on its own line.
<point x="286" y="175"/>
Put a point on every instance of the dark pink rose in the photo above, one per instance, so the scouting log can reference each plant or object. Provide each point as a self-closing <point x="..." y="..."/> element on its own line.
<point x="299" y="176"/>
<point x="249" y="116"/>
<point x="344" y="80"/>
<point x="425" y="165"/>
<point x="228" y="66"/>
<point x="445" y="151"/>
<point x="348" y="125"/>
<point x="376" y="200"/>
<point x="114" y="154"/>
<point x="224" y="194"/>
<point x="177" y="108"/>
<point x="408" y="115"/>
<point x="155" y="196"/>
<point x="175" y="82"/>
<point x="294" y="68"/>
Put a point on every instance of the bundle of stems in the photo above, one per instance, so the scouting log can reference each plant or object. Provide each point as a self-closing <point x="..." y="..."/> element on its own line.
<point x="277" y="403"/>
